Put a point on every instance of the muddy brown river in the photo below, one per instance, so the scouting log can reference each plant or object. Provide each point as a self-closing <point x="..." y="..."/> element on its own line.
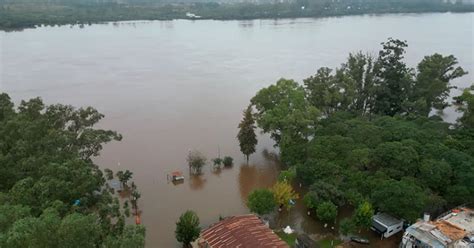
<point x="172" y="86"/>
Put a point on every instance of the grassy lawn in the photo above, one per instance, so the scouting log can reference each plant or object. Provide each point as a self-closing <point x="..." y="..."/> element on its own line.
<point x="326" y="243"/>
<point x="288" y="238"/>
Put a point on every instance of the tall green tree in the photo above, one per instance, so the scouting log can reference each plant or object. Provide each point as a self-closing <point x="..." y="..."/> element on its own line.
<point x="348" y="88"/>
<point x="187" y="228"/>
<point x="432" y="85"/>
<point x="393" y="78"/>
<point x="358" y="81"/>
<point x="324" y="91"/>
<point x="284" y="113"/>
<point x="467" y="108"/>
<point x="246" y="136"/>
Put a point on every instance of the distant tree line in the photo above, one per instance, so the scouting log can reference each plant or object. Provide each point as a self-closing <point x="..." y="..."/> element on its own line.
<point x="364" y="135"/>
<point x="25" y="14"/>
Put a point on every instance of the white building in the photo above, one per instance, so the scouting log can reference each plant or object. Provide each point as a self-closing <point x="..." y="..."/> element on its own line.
<point x="386" y="225"/>
<point x="191" y="15"/>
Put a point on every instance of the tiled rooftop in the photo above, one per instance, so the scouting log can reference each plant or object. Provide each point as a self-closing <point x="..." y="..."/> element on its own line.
<point x="241" y="231"/>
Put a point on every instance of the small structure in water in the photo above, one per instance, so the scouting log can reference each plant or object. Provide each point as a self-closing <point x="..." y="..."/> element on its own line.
<point x="176" y="176"/>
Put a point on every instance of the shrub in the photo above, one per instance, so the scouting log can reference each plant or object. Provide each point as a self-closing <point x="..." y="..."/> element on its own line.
<point x="287" y="175"/>
<point x="217" y="161"/>
<point x="261" y="201"/>
<point x="346" y="226"/>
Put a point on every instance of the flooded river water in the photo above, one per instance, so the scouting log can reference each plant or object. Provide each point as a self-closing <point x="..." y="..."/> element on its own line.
<point x="172" y="86"/>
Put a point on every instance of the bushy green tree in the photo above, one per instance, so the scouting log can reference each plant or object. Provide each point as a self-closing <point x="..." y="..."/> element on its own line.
<point x="326" y="211"/>
<point x="132" y="237"/>
<point x="261" y="201"/>
<point x="228" y="161"/>
<point x="187" y="228"/>
<point x="51" y="192"/>
<point x="348" y="88"/>
<point x="403" y="199"/>
<point x="284" y="113"/>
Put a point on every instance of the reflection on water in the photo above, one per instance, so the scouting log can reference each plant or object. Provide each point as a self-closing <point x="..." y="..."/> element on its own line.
<point x="197" y="182"/>
<point x="217" y="171"/>
<point x="172" y="86"/>
<point x="253" y="176"/>
<point x="246" y="23"/>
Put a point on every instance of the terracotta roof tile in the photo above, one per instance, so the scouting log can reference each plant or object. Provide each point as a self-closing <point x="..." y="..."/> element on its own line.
<point x="245" y="231"/>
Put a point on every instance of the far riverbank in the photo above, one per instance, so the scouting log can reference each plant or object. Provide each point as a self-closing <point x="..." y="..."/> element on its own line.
<point x="18" y="16"/>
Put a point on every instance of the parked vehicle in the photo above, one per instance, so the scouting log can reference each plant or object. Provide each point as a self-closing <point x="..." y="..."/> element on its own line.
<point x="360" y="240"/>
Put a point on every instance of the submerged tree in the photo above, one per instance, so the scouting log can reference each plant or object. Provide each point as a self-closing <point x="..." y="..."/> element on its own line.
<point x="217" y="162"/>
<point x="187" y="228"/>
<point x="196" y="161"/>
<point x="228" y="161"/>
<point x="246" y="136"/>
<point x="109" y="174"/>
<point x="124" y="176"/>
